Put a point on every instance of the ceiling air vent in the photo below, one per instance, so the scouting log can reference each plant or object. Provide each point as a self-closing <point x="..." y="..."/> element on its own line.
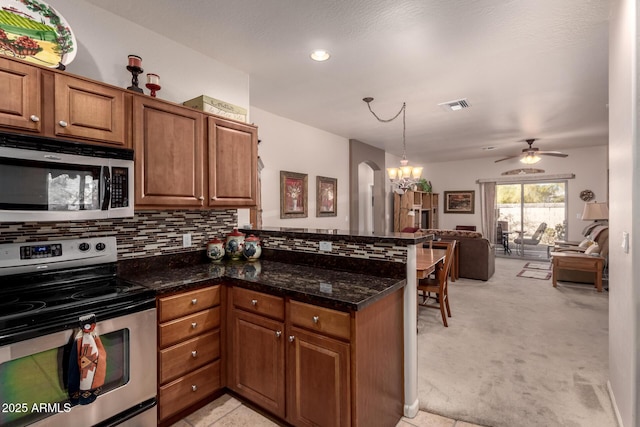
<point x="456" y="105"/>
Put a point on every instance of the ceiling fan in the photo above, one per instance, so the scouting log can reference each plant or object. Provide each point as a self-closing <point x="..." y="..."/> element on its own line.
<point x="532" y="155"/>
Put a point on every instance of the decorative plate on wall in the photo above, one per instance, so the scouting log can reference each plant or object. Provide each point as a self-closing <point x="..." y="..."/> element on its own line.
<point x="586" y="195"/>
<point x="36" y="32"/>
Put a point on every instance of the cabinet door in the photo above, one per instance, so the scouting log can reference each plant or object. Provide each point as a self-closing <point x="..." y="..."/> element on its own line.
<point x="168" y="142"/>
<point x="257" y="360"/>
<point x="20" y="107"/>
<point x="319" y="378"/>
<point x="233" y="163"/>
<point x="89" y="111"/>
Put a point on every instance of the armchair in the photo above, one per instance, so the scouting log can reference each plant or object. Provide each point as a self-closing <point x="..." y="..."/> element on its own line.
<point x="600" y="237"/>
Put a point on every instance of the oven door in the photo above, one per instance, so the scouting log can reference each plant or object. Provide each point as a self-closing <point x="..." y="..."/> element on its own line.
<point x="33" y="377"/>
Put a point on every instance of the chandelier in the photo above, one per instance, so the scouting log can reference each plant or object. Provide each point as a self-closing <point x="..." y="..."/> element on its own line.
<point x="405" y="176"/>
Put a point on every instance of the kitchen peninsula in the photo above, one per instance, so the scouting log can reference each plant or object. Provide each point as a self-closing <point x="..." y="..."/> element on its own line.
<point x="307" y="335"/>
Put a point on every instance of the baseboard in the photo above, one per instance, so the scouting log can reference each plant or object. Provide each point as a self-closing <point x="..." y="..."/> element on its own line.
<point x="613" y="403"/>
<point x="410" y="411"/>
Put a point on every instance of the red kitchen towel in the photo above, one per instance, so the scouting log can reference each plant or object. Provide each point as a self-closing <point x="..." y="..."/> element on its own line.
<point x="87" y="363"/>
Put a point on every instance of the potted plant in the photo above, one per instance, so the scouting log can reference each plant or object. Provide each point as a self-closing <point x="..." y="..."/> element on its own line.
<point x="424" y="185"/>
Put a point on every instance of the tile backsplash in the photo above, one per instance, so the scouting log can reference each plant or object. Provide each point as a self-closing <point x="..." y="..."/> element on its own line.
<point x="148" y="233"/>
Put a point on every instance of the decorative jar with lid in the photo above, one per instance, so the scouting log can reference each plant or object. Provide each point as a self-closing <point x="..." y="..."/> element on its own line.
<point x="215" y="249"/>
<point x="234" y="244"/>
<point x="252" y="249"/>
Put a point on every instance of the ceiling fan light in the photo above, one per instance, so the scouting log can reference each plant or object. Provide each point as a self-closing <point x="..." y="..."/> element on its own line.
<point x="530" y="159"/>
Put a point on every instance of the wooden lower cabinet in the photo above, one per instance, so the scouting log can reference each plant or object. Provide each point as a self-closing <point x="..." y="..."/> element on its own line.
<point x="257" y="361"/>
<point x="315" y="366"/>
<point x="319" y="376"/>
<point x="189" y="351"/>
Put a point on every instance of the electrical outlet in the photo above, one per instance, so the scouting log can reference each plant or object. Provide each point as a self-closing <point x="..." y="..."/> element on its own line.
<point x="325" y="246"/>
<point x="186" y="240"/>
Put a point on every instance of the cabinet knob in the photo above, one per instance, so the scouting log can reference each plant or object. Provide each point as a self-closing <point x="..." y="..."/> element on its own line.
<point x="291" y="338"/>
<point x="201" y="198"/>
<point x="194" y="354"/>
<point x="193" y="325"/>
<point x="194" y="387"/>
<point x="194" y="301"/>
<point x="278" y="334"/>
<point x="315" y="319"/>
<point x="34" y="118"/>
<point x="254" y="302"/>
<point x="63" y="123"/>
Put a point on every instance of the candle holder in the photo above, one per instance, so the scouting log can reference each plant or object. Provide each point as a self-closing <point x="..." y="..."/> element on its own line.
<point x="153" y="83"/>
<point x="135" y="68"/>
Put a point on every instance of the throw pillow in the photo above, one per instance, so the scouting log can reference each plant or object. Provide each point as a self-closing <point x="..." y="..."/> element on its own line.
<point x="585" y="243"/>
<point x="593" y="249"/>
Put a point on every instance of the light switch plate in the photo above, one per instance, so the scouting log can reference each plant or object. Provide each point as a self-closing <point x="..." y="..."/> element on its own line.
<point x="325" y="246"/>
<point x="625" y="242"/>
<point x="186" y="240"/>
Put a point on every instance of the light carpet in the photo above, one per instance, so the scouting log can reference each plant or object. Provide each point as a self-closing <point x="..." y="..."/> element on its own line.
<point x="517" y="355"/>
<point x="533" y="274"/>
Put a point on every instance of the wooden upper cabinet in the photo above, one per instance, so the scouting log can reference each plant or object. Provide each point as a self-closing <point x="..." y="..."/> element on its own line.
<point x="232" y="152"/>
<point x="20" y="97"/>
<point x="89" y="110"/>
<point x="168" y="142"/>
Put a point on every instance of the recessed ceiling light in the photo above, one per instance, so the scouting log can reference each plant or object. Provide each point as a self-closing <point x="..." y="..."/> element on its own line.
<point x="320" y="55"/>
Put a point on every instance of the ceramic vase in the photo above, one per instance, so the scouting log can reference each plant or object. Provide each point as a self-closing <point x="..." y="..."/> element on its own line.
<point x="215" y="249"/>
<point x="234" y="244"/>
<point x="252" y="249"/>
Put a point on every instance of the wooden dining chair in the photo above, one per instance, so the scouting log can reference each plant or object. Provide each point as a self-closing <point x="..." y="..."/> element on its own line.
<point x="438" y="285"/>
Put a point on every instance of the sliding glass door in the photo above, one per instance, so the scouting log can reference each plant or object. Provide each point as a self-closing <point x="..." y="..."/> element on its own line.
<point x="532" y="216"/>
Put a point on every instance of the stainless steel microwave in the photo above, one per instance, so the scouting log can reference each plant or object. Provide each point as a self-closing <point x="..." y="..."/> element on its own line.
<point x="43" y="179"/>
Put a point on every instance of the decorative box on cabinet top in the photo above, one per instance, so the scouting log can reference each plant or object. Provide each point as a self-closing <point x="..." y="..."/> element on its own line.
<point x="220" y="108"/>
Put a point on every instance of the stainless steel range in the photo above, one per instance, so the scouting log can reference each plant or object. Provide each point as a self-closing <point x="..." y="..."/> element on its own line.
<point x="45" y="288"/>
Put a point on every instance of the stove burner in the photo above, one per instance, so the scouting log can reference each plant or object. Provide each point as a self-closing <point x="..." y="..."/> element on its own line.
<point x="98" y="293"/>
<point x="20" y="307"/>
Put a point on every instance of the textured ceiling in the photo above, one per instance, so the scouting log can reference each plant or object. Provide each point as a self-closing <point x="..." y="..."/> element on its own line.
<point x="529" y="68"/>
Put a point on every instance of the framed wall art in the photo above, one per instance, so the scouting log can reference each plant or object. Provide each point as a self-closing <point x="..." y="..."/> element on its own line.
<point x="326" y="196"/>
<point x="293" y="195"/>
<point x="459" y="201"/>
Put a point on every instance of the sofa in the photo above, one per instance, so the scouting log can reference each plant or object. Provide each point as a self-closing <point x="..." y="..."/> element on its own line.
<point x="477" y="256"/>
<point x="599" y="236"/>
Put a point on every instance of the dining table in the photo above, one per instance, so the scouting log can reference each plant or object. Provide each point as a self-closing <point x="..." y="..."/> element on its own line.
<point x="428" y="260"/>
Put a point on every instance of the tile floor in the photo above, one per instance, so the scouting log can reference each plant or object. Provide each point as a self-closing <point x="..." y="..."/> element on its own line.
<point x="226" y="411"/>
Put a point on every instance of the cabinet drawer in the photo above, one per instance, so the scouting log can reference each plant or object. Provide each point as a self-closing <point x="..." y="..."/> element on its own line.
<point x="258" y="302"/>
<point x="188" y="302"/>
<point x="189" y="326"/>
<point x="189" y="389"/>
<point x="320" y="319"/>
<point x="181" y="358"/>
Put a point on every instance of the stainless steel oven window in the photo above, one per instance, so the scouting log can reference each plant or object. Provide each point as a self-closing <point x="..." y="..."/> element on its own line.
<point x="33" y="372"/>
<point x="35" y="386"/>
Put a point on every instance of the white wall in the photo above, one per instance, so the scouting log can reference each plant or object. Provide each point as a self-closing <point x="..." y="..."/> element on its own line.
<point x="624" y="268"/>
<point x="294" y="147"/>
<point x="589" y="165"/>
<point x="365" y="211"/>
<point x="105" y="40"/>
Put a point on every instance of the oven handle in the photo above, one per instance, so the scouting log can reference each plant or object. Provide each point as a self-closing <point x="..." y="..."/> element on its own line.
<point x="105" y="180"/>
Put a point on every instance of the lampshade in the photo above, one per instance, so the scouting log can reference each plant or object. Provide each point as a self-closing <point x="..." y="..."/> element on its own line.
<point x="595" y="211"/>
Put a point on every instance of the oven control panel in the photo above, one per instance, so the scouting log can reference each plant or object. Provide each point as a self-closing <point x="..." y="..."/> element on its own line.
<point x="40" y="251"/>
<point x="24" y="257"/>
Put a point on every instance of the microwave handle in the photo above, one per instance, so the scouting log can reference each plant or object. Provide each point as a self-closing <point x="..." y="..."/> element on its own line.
<point x="106" y="181"/>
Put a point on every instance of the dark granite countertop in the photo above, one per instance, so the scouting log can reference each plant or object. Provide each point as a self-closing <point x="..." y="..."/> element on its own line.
<point x="336" y="289"/>
<point x="399" y="239"/>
